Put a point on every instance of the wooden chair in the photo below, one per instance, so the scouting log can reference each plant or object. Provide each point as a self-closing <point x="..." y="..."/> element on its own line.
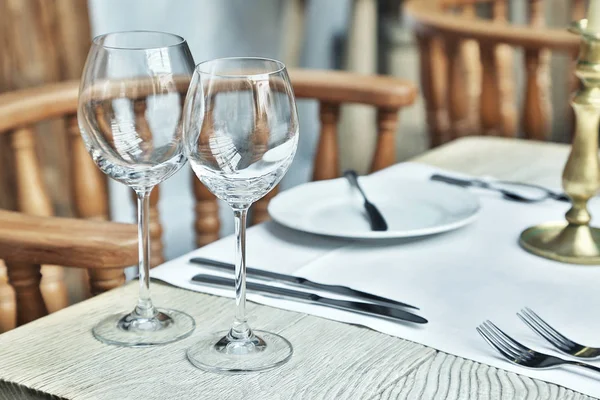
<point x="27" y="242"/>
<point x="21" y="110"/>
<point x="467" y="67"/>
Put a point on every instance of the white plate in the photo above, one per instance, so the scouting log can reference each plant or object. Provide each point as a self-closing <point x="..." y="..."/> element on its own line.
<point x="410" y="207"/>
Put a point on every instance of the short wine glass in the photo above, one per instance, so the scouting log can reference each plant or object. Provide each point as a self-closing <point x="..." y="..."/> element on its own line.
<point x="240" y="134"/>
<point x="130" y="116"/>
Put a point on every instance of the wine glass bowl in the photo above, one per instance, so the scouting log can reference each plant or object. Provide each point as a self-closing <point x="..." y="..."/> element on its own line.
<point x="240" y="135"/>
<point x="130" y="115"/>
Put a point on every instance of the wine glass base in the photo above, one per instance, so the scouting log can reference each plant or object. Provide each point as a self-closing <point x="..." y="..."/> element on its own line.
<point x="219" y="353"/>
<point x="129" y="330"/>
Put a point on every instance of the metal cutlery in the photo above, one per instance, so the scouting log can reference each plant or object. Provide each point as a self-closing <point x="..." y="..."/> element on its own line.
<point x="509" y="190"/>
<point x="520" y="354"/>
<point x="375" y="218"/>
<point x="300" y="282"/>
<point x="373" y="310"/>
<point x="556" y="339"/>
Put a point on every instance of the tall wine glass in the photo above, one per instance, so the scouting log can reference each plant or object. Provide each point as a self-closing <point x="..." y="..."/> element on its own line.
<point x="241" y="134"/>
<point x="130" y="116"/>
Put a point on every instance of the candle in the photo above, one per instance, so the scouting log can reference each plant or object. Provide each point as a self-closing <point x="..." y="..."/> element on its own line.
<point x="593" y="16"/>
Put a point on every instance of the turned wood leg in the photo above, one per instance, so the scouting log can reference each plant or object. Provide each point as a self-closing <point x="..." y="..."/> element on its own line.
<point x="25" y="279"/>
<point x="102" y="280"/>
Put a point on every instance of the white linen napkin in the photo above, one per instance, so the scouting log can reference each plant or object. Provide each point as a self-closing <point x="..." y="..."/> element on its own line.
<point x="457" y="279"/>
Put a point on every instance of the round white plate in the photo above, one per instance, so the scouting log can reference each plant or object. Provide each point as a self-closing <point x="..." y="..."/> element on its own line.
<point x="410" y="207"/>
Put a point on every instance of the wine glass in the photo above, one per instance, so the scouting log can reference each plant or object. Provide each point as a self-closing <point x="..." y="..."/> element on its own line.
<point x="240" y="134"/>
<point x="130" y="116"/>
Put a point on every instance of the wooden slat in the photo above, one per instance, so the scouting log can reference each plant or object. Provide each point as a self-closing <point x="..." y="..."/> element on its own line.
<point x="33" y="199"/>
<point x="326" y="164"/>
<point x="25" y="278"/>
<point x="434" y="86"/>
<point x="66" y="241"/>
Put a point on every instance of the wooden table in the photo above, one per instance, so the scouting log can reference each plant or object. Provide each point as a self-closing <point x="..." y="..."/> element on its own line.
<point x="57" y="357"/>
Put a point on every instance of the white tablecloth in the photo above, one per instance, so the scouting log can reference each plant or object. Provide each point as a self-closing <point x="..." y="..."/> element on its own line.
<point x="457" y="279"/>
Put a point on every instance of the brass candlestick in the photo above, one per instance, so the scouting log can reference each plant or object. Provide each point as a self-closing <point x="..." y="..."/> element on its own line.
<point x="574" y="241"/>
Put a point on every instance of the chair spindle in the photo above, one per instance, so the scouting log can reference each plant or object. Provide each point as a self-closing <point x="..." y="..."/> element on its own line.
<point x="25" y="279"/>
<point x="537" y="109"/>
<point x="32" y="198"/>
<point x="385" y="149"/>
<point x="144" y="131"/>
<point x="90" y="198"/>
<point x="326" y="164"/>
<point x="102" y="280"/>
<point x="207" y="223"/>
<point x="433" y="83"/>
<point x="8" y="304"/>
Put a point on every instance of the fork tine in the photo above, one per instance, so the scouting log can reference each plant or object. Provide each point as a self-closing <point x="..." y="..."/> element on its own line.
<point x="517" y="345"/>
<point x="536" y="327"/>
<point x="514" y="353"/>
<point x="543" y="323"/>
<point x="493" y="344"/>
<point x="500" y="339"/>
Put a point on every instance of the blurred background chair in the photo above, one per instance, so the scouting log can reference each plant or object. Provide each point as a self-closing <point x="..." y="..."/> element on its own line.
<point x="468" y="75"/>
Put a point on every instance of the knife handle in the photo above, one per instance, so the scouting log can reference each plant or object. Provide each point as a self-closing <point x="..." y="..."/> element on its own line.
<point x="450" y="180"/>
<point x="256" y="287"/>
<point x="213" y="263"/>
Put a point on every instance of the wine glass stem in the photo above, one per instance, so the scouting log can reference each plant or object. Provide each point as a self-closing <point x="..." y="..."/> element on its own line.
<point x="144" y="308"/>
<point x="240" y="329"/>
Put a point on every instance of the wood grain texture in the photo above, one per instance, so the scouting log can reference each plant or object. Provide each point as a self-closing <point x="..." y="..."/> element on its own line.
<point x="329" y="356"/>
<point x="448" y="377"/>
<point x="66" y="241"/>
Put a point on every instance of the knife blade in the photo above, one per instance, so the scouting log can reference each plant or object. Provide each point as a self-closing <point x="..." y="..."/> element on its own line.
<point x="297" y="281"/>
<point x="369" y="309"/>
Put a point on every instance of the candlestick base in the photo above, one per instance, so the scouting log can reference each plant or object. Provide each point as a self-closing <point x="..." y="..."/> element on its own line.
<point x="560" y="241"/>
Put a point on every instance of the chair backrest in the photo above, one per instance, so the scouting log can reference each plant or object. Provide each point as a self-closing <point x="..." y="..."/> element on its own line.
<point x="20" y="111"/>
<point x="467" y="67"/>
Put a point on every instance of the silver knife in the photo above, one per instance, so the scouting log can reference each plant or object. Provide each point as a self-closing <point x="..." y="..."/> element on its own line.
<point x="297" y="281"/>
<point x="369" y="309"/>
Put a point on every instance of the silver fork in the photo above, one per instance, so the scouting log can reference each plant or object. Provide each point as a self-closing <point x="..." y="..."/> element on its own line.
<point x="562" y="343"/>
<point x="519" y="354"/>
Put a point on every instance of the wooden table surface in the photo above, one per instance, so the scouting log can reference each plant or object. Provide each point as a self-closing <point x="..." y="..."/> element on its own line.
<point x="57" y="357"/>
